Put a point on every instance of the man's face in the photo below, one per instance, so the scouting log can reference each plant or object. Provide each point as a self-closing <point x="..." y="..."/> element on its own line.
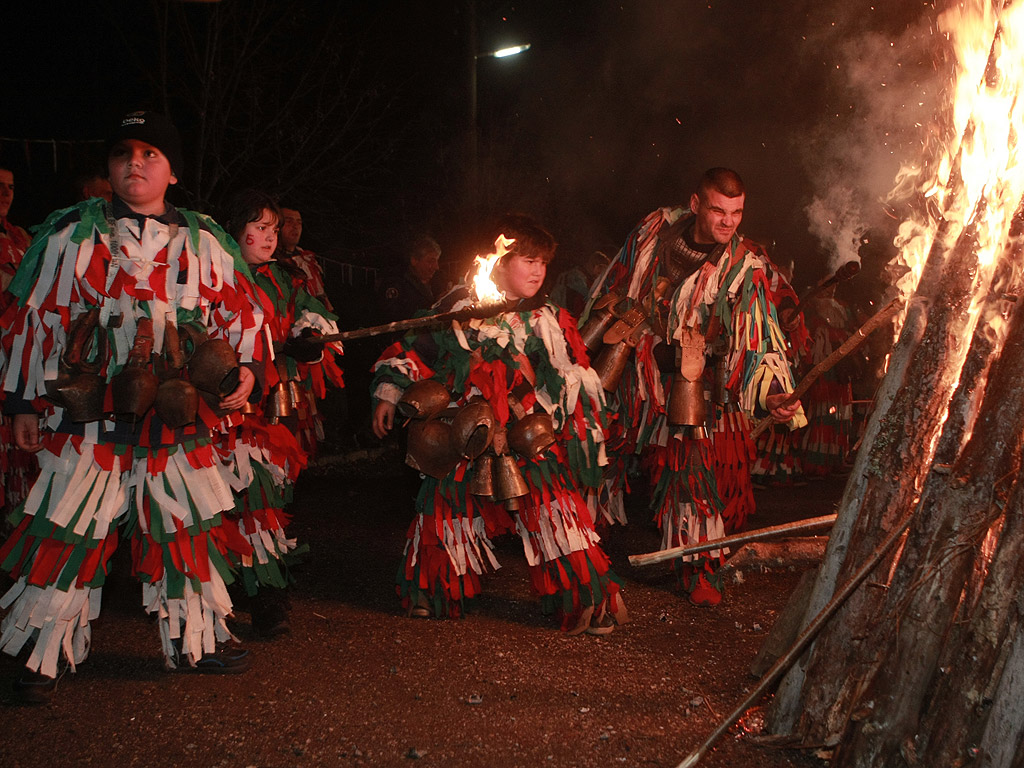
<point x="6" y="191"/>
<point x="291" y="228"/>
<point x="718" y="216"/>
<point x="258" y="239"/>
<point x="520" y="276"/>
<point x="424" y="266"/>
<point x="140" y="174"/>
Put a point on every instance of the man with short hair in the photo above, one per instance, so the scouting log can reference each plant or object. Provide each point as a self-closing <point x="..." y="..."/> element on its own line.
<point x="289" y="252"/>
<point x="711" y="326"/>
<point x="411" y="291"/>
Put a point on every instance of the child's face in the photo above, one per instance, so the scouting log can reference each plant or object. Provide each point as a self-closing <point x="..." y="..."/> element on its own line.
<point x="140" y="175"/>
<point x="521" y="276"/>
<point x="258" y="239"/>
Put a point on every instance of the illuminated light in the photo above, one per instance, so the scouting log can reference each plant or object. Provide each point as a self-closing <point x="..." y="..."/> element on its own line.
<point x="486" y="290"/>
<point x="501" y="53"/>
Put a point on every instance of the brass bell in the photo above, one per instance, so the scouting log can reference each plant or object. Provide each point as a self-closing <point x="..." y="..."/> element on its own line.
<point x="429" y="449"/>
<point x="482" y="481"/>
<point x="81" y="395"/>
<point x="177" y="403"/>
<point x="298" y="396"/>
<point x="601" y="319"/>
<point x="509" y="483"/>
<point x="611" y="364"/>
<point x="279" y="403"/>
<point x="472" y="428"/>
<point x="532" y="435"/>
<point x="686" y="402"/>
<point x="423" y="400"/>
<point x="133" y="392"/>
<point x="213" y="367"/>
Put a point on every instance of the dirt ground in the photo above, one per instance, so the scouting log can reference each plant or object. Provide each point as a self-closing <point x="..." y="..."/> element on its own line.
<point x="356" y="683"/>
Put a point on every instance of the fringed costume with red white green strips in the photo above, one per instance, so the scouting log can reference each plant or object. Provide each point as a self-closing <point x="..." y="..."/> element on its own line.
<point x="734" y="456"/>
<point x="265" y="459"/>
<point x="729" y="300"/>
<point x="293" y="309"/>
<point x="165" y="489"/>
<point x="536" y="354"/>
<point x="18" y="468"/>
<point x="826" y="442"/>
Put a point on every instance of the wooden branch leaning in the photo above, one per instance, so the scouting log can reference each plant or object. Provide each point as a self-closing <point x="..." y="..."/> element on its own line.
<point x="822" y="523"/>
<point x="855" y="339"/>
<point x="800" y="644"/>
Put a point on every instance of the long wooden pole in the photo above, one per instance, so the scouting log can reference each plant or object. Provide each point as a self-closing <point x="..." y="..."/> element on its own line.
<point x="468" y="313"/>
<point x="873" y="323"/>
<point x="822" y="523"/>
<point x="800" y="644"/>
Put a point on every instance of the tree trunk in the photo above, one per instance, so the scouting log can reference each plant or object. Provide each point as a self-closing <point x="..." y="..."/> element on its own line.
<point x="953" y="518"/>
<point x="889" y="473"/>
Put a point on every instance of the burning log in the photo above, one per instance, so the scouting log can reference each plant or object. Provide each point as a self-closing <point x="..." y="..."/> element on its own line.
<point x="873" y="323"/>
<point x="822" y="523"/>
<point x="475" y="312"/>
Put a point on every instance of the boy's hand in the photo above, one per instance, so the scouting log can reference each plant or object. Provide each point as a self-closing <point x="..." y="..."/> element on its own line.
<point x="26" y="432"/>
<point x="383" y="418"/>
<point x="781" y="414"/>
<point x="239" y="396"/>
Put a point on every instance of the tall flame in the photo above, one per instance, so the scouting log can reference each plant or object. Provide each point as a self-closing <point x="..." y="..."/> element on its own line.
<point x="977" y="176"/>
<point x="486" y="291"/>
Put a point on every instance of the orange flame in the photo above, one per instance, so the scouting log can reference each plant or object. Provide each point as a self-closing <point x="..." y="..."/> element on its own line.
<point x="986" y="120"/>
<point x="486" y="290"/>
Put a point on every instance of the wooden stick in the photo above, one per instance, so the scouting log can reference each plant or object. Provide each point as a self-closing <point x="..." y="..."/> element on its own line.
<point x="469" y="313"/>
<point x="876" y="321"/>
<point x="800" y="526"/>
<point x="801" y="643"/>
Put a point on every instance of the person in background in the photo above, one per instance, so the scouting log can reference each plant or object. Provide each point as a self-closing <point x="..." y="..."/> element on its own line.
<point x="292" y="256"/>
<point x="262" y="450"/>
<point x="106" y="293"/>
<point x="411" y="291"/>
<point x="572" y="288"/>
<point x="18" y="468"/>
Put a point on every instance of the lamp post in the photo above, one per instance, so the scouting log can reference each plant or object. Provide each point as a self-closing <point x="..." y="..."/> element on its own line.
<point x="473" y="149"/>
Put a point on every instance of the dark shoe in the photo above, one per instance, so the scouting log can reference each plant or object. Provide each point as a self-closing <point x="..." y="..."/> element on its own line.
<point x="604" y="625"/>
<point x="269" y="619"/>
<point x="34" y="689"/>
<point x="227" y="660"/>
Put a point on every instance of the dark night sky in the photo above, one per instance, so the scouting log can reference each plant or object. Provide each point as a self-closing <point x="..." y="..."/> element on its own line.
<point x="614" y="111"/>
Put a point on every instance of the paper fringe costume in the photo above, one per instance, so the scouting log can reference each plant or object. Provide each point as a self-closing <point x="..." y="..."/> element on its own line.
<point x="166" y="492"/>
<point x="538" y="354"/>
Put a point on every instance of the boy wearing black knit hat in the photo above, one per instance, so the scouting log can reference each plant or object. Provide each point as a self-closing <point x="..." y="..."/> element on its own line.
<point x="109" y="289"/>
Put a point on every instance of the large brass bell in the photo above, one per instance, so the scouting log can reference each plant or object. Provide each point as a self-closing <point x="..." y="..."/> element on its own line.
<point x="602" y="316"/>
<point x="532" y="434"/>
<point x="177" y="403"/>
<point x="81" y="395"/>
<point x="686" y="402"/>
<point x="133" y="390"/>
<point x="481" y="483"/>
<point x="79" y="388"/>
<point x="611" y="364"/>
<point x="472" y="428"/>
<point x="423" y="400"/>
<point x="213" y="367"/>
<point x="429" y="448"/>
<point x="509" y="483"/>
<point x="279" y="403"/>
<point x="298" y="395"/>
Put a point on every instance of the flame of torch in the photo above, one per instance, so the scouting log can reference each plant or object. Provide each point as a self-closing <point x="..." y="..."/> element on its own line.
<point x="486" y="291"/>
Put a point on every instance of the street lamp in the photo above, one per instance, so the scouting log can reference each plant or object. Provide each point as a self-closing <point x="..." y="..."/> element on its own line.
<point x="474" y="129"/>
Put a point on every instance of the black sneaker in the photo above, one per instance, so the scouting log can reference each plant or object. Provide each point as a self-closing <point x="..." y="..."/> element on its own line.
<point x="34" y="689"/>
<point x="227" y="660"/>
